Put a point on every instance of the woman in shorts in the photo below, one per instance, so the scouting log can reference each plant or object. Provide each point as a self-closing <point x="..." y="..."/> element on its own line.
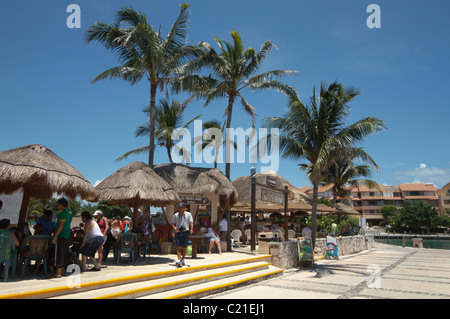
<point x="92" y="241"/>
<point x="212" y="238"/>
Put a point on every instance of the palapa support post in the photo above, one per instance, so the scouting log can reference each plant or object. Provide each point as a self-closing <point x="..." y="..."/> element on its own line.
<point x="224" y="215"/>
<point x="164" y="215"/>
<point x="286" y="194"/>
<point x="23" y="211"/>
<point x="228" y="217"/>
<point x="224" y="209"/>
<point x="135" y="213"/>
<point x="253" y="209"/>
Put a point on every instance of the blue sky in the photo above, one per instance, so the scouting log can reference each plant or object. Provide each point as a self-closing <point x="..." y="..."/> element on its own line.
<point x="401" y="69"/>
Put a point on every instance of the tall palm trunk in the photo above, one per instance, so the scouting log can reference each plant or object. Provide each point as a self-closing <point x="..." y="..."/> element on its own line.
<point x="314" y="212"/>
<point x="151" y="145"/>
<point x="227" y="164"/>
<point x="227" y="136"/>
<point x="169" y="147"/>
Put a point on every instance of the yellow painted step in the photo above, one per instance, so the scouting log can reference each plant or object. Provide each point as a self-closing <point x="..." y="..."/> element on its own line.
<point x="216" y="286"/>
<point x="170" y="283"/>
<point x="85" y="286"/>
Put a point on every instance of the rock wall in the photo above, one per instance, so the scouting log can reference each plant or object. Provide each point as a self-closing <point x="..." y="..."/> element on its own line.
<point x="285" y="254"/>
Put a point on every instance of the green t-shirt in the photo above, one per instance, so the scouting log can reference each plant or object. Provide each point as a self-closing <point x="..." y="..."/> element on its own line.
<point x="66" y="216"/>
<point x="7" y="232"/>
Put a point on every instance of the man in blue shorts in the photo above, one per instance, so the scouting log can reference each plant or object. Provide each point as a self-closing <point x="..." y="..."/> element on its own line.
<point x="183" y="224"/>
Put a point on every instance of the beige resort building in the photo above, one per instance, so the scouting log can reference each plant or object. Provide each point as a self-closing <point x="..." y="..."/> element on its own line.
<point x="444" y="198"/>
<point x="368" y="201"/>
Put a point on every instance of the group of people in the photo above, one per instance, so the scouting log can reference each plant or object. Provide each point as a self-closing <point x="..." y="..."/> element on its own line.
<point x="92" y="235"/>
<point x="59" y="231"/>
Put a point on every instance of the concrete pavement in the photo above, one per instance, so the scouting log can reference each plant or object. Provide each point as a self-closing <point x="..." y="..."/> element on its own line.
<point x="384" y="272"/>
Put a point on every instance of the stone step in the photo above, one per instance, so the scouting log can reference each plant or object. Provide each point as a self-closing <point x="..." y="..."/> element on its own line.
<point x="114" y="276"/>
<point x="217" y="286"/>
<point x="142" y="288"/>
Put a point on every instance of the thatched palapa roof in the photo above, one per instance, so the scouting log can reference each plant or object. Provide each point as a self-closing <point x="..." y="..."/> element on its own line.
<point x="189" y="180"/>
<point x="345" y="209"/>
<point x="137" y="180"/>
<point x="243" y="187"/>
<point x="43" y="173"/>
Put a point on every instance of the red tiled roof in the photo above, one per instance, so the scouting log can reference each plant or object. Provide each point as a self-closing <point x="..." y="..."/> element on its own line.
<point x="411" y="187"/>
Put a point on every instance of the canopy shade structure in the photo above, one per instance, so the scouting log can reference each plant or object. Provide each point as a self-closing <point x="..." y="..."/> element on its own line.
<point x="239" y="207"/>
<point x="137" y="184"/>
<point x="264" y="194"/>
<point x="204" y="182"/>
<point x="343" y="209"/>
<point x="197" y="180"/>
<point x="137" y="180"/>
<point x="40" y="173"/>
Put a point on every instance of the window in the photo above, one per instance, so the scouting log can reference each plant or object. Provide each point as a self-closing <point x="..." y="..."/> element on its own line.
<point x="414" y="193"/>
<point x="373" y="203"/>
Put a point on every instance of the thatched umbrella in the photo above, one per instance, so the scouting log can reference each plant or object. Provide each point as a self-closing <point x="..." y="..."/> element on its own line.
<point x="136" y="185"/>
<point x="40" y="173"/>
<point x="239" y="207"/>
<point x="194" y="181"/>
<point x="270" y="192"/>
<point x="189" y="180"/>
<point x="343" y="209"/>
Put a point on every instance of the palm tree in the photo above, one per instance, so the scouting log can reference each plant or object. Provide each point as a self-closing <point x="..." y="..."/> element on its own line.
<point x="169" y="116"/>
<point x="318" y="133"/>
<point x="212" y="128"/>
<point x="144" y="53"/>
<point x="345" y="171"/>
<point x="232" y="70"/>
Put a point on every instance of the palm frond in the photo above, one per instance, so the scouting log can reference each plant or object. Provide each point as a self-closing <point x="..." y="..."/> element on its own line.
<point x="250" y="110"/>
<point x="128" y="74"/>
<point x="178" y="34"/>
<point x="130" y="16"/>
<point x="288" y="90"/>
<point x="137" y="151"/>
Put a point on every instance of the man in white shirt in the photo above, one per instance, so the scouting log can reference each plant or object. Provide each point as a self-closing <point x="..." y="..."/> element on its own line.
<point x="223" y="229"/>
<point x="183" y="224"/>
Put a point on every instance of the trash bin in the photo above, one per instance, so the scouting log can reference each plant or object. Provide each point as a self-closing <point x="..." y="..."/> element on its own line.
<point x="418" y="242"/>
<point x="264" y="244"/>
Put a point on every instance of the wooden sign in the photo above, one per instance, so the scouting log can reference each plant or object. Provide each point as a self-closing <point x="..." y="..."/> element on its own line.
<point x="195" y="200"/>
<point x="270" y="181"/>
<point x="272" y="196"/>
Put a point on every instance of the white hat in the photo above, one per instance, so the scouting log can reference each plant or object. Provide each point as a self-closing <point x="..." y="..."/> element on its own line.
<point x="126" y="217"/>
<point x="98" y="212"/>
